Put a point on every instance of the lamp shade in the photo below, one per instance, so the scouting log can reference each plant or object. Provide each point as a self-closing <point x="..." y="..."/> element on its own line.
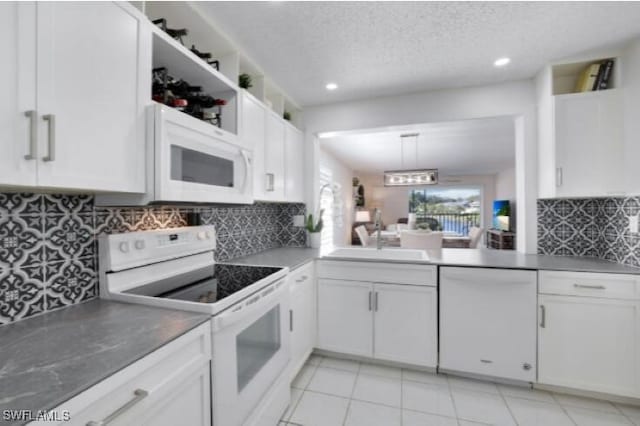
<point x="363" y="216"/>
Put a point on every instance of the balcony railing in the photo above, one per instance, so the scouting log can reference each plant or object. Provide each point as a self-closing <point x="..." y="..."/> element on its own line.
<point x="458" y="223"/>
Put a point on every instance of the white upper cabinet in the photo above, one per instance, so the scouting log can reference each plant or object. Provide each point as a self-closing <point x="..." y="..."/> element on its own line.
<point x="581" y="145"/>
<point x="278" y="153"/>
<point x="253" y="134"/>
<point x="294" y="163"/>
<point x="93" y="82"/>
<point x="17" y="109"/>
<point x="589" y="146"/>
<point x="274" y="161"/>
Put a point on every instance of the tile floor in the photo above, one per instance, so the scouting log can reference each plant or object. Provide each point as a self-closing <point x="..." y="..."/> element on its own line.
<point x="336" y="392"/>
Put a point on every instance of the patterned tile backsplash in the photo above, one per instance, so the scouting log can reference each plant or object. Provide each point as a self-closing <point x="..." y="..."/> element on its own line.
<point x="597" y="227"/>
<point x="48" y="245"/>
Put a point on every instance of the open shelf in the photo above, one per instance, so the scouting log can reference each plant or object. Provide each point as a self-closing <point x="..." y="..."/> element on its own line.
<point x="181" y="63"/>
<point x="565" y="76"/>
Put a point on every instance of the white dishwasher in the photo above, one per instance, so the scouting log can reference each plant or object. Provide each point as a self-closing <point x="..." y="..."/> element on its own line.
<point x="488" y="322"/>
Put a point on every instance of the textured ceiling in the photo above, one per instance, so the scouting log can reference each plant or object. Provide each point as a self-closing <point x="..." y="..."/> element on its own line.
<point x="484" y="146"/>
<point x="375" y="49"/>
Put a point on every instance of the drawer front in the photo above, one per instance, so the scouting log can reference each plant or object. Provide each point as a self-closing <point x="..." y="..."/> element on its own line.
<point x="391" y="273"/>
<point x="588" y="284"/>
<point x="136" y="389"/>
<point x="301" y="275"/>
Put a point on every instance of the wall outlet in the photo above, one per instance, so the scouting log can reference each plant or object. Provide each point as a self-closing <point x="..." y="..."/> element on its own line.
<point x="298" y="220"/>
<point x="633" y="224"/>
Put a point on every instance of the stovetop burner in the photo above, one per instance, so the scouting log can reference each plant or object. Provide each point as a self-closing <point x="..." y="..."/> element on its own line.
<point x="208" y="287"/>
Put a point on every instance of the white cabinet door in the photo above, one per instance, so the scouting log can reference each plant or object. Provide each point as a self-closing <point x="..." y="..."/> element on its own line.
<point x="589" y="145"/>
<point x="17" y="72"/>
<point x="186" y="403"/>
<point x="274" y="159"/>
<point x="302" y="316"/>
<point x="294" y="163"/>
<point x="590" y="344"/>
<point x="253" y="136"/>
<point x="345" y="317"/>
<point x="405" y="324"/>
<point x="93" y="79"/>
<point x="488" y="322"/>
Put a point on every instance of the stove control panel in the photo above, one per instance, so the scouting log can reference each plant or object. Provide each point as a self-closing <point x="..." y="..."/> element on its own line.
<point x="129" y="250"/>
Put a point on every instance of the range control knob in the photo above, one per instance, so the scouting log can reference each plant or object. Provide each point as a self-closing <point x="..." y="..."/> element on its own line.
<point x="124" y="247"/>
<point x="202" y="235"/>
<point x="208" y="235"/>
<point x="139" y="244"/>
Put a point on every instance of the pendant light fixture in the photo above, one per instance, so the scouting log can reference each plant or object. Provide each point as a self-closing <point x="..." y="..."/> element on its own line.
<point x="410" y="177"/>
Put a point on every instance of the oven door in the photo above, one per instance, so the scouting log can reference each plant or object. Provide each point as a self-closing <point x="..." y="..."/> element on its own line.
<point x="250" y="352"/>
<point x="198" y="162"/>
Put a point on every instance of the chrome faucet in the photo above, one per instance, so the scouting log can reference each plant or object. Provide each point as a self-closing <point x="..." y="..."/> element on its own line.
<point x="377" y="215"/>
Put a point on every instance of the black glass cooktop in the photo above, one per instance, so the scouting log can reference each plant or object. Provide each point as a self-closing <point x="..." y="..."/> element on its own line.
<point x="207" y="285"/>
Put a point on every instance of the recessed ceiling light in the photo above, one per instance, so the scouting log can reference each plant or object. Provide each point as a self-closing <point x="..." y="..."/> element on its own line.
<point x="501" y="62"/>
<point x="331" y="86"/>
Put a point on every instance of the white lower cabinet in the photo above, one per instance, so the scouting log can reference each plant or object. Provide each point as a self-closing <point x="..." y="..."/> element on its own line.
<point x="386" y="321"/>
<point x="302" y="315"/>
<point x="589" y="332"/>
<point x="345" y="319"/>
<point x="168" y="387"/>
<point x="404" y="326"/>
<point x="488" y="322"/>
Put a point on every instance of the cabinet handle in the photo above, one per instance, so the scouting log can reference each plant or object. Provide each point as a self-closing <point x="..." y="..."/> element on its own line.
<point x="543" y="317"/>
<point x="270" y="182"/>
<point x="376" y="301"/>
<point x="140" y="394"/>
<point x="290" y="319"/>
<point x="51" y="119"/>
<point x="486" y="361"/>
<point x="33" y="135"/>
<point x="592" y="287"/>
<point x="302" y="279"/>
<point x="369" y="300"/>
<point x="558" y="176"/>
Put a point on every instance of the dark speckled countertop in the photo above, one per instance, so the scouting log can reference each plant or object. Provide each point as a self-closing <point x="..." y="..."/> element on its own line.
<point x="51" y="358"/>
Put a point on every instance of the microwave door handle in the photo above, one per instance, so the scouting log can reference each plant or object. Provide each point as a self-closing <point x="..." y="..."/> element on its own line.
<point x="247" y="169"/>
<point x="230" y="317"/>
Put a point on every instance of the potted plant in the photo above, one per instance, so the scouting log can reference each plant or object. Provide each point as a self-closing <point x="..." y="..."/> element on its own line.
<point x="314" y="229"/>
<point x="244" y="81"/>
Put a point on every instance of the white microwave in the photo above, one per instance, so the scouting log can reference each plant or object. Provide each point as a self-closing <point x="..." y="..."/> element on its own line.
<point x="190" y="161"/>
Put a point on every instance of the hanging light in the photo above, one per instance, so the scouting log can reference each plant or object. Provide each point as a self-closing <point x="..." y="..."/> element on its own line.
<point x="410" y="177"/>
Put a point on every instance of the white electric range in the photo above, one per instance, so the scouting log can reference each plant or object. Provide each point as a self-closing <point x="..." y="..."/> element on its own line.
<point x="175" y="268"/>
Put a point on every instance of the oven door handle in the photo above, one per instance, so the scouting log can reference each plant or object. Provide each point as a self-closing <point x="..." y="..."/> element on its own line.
<point x="252" y="304"/>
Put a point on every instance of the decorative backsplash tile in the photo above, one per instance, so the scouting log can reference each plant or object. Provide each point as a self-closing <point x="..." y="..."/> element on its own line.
<point x="48" y="245"/>
<point x="597" y="227"/>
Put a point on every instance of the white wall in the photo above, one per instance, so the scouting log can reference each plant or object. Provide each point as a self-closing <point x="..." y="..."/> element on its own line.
<point x="341" y="175"/>
<point x="515" y="99"/>
<point x="394" y="201"/>
<point x="631" y="86"/>
<point x="506" y="185"/>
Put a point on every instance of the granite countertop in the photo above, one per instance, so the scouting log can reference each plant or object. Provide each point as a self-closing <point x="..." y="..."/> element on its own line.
<point x="294" y="257"/>
<point x="291" y="257"/>
<point x="51" y="358"/>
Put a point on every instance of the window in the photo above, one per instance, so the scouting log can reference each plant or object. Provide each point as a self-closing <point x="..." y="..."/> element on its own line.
<point x="452" y="210"/>
<point x="331" y="203"/>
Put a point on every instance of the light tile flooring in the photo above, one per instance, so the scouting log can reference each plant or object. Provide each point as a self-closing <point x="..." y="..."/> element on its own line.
<point x="336" y="392"/>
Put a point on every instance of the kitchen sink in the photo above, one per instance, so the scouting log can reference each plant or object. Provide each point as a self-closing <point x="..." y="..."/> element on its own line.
<point x="364" y="253"/>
